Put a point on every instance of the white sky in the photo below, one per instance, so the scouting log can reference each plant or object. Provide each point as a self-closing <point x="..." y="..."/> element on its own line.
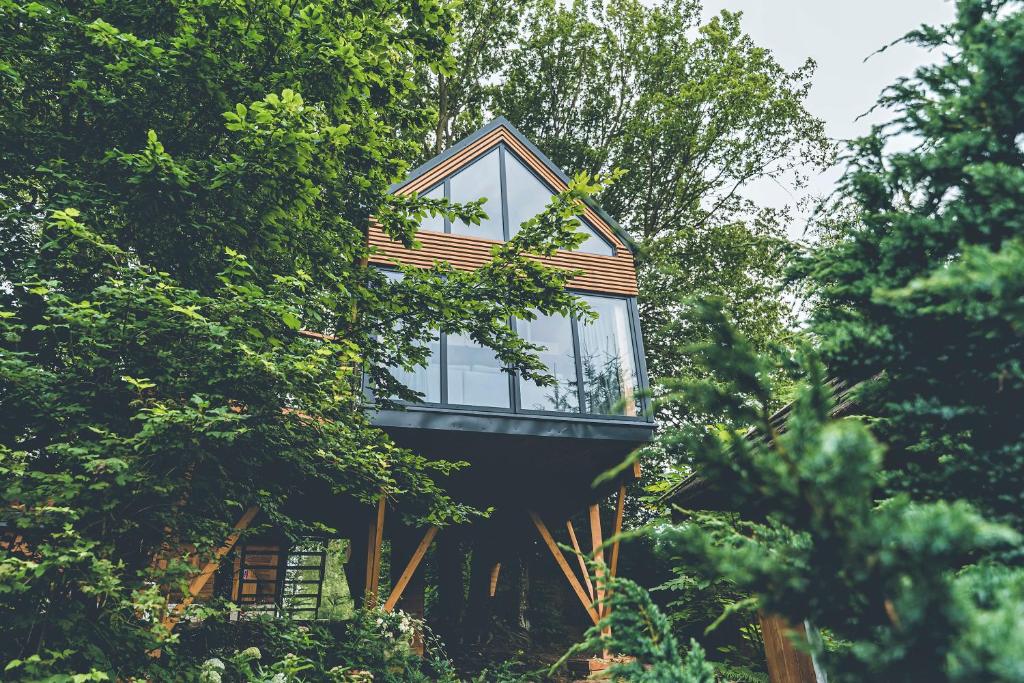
<point x="839" y="35"/>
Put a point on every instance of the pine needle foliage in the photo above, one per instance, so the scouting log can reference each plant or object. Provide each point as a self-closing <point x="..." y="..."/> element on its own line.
<point x="637" y="629"/>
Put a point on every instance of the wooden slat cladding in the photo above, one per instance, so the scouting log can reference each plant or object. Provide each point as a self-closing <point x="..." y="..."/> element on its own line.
<point x="608" y="274"/>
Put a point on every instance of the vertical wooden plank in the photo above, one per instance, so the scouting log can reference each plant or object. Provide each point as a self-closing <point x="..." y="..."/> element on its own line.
<point x="620" y="509"/>
<point x="410" y="569"/>
<point x="579" y="556"/>
<point x="495" y="571"/>
<point x="542" y="529"/>
<point x="375" y="540"/>
<point x="596" y="540"/>
<point x="786" y="664"/>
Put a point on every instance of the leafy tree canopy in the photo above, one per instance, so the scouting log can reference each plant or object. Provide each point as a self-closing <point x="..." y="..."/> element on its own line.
<point x="185" y="192"/>
<point x="693" y="113"/>
<point x="902" y="545"/>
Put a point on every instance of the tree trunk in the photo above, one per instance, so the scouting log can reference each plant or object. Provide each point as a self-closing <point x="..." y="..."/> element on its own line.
<point x="479" y="607"/>
<point x="441" y="132"/>
<point x="451" y="588"/>
<point x="355" y="567"/>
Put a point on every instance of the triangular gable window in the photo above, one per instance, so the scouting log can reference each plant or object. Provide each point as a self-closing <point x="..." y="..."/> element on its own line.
<point x="482" y="178"/>
<point x="525" y="196"/>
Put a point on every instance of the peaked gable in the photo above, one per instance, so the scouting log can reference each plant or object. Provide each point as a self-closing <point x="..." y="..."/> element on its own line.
<point x="486" y="140"/>
<point x="498" y="163"/>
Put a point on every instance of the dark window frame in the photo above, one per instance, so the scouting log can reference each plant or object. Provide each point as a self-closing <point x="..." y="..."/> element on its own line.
<point x="515" y="395"/>
<point x="506" y="229"/>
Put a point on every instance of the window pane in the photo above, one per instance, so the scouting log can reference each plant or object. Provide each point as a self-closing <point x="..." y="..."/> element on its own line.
<point x="424" y="380"/>
<point x="527" y="196"/>
<point x="594" y="244"/>
<point x="434" y="223"/>
<point x="554" y="332"/>
<point x="480" y="179"/>
<point x="609" y="367"/>
<point x="475" y="377"/>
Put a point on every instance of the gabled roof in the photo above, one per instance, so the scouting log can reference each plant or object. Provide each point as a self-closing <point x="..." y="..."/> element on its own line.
<point x="695" y="492"/>
<point x="496" y="131"/>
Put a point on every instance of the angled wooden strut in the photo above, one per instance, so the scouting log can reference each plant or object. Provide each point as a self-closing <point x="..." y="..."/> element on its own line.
<point x="200" y="580"/>
<point x="373" y="550"/>
<point x="579" y="556"/>
<point x="495" y="572"/>
<point x="563" y="565"/>
<point x="410" y="569"/>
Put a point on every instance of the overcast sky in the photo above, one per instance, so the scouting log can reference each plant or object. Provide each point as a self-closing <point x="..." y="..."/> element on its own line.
<point x="839" y="35"/>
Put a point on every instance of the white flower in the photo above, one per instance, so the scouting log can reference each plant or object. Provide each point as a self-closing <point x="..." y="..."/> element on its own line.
<point x="214" y="664"/>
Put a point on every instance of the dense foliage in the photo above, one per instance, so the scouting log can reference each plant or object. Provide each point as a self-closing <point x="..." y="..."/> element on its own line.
<point x="186" y="188"/>
<point x="637" y="631"/>
<point x="902" y="544"/>
<point x="890" y="580"/>
<point x="370" y="646"/>
<point x="695" y="112"/>
<point x="925" y="288"/>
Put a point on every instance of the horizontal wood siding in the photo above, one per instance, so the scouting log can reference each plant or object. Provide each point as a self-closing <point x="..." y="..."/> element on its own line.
<point x="609" y="274"/>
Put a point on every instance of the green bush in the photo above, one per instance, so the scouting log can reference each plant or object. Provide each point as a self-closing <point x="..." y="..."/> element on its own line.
<point x="371" y="643"/>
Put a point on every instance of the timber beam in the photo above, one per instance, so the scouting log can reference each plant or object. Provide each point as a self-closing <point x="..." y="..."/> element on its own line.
<point x="199" y="582"/>
<point x="545" y="535"/>
<point x="410" y="569"/>
<point x="375" y="539"/>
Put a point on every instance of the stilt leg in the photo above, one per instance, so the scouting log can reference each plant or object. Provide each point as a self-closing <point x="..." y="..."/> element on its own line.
<point x="495" y="571"/>
<point x="542" y="529"/>
<point x="579" y="556"/>
<point x="375" y="538"/>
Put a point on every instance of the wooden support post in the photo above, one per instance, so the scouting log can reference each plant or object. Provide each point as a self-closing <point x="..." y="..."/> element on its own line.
<point x="410" y="569"/>
<point x="495" y="571"/>
<point x="620" y="509"/>
<point x="597" y="540"/>
<point x="786" y="664"/>
<point x="579" y="556"/>
<point x="375" y="539"/>
<point x="563" y="565"/>
<point x="197" y="584"/>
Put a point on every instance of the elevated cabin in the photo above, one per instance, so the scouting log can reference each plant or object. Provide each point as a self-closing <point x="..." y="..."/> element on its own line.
<point x="473" y="410"/>
<point x="534" y="451"/>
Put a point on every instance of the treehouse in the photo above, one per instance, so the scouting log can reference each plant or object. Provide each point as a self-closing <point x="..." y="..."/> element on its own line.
<point x="533" y="452"/>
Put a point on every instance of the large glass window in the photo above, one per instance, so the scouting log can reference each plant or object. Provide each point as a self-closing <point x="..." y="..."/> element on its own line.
<point x="434" y="223"/>
<point x="423" y="380"/>
<point x="592" y="244"/>
<point x="481" y="179"/>
<point x="554" y="333"/>
<point x="593" y="363"/>
<point x="475" y="375"/>
<point x="525" y="196"/>
<point x="610" y="383"/>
